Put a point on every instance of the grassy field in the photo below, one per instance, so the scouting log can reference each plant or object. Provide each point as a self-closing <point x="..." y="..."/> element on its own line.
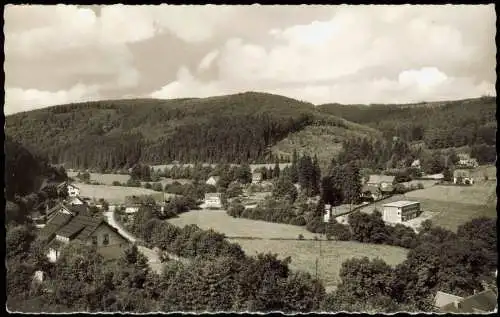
<point x="239" y="227"/>
<point x="333" y="253"/>
<point x="425" y="182"/>
<point x="112" y="194"/>
<point x="451" y="206"/>
<point x="106" y="179"/>
<point x="477" y="194"/>
<point x="450" y="215"/>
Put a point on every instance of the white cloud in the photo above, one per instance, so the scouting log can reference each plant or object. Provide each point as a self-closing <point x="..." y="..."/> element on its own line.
<point x="350" y="54"/>
<point x="207" y="61"/>
<point x="315" y="61"/>
<point x="17" y="100"/>
<point x="424" y="78"/>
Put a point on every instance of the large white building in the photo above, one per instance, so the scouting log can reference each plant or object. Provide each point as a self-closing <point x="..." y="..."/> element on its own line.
<point x="400" y="211"/>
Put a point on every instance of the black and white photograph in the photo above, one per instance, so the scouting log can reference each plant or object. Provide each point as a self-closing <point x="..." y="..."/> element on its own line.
<point x="250" y="158"/>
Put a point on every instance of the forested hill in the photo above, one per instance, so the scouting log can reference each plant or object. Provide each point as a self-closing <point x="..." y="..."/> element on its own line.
<point x="117" y="134"/>
<point x="438" y="124"/>
<point x="25" y="172"/>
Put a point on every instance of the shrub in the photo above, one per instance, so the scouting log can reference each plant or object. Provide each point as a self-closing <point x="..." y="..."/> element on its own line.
<point x="148" y="186"/>
<point x="301" y="237"/>
<point x="420" y="186"/>
<point x="116" y="183"/>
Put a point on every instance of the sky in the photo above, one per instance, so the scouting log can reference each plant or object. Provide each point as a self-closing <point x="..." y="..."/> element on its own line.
<point x="56" y="54"/>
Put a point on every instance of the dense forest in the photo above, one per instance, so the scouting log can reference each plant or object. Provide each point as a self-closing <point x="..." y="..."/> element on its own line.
<point x="24" y="171"/>
<point x="469" y="122"/>
<point x="117" y="134"/>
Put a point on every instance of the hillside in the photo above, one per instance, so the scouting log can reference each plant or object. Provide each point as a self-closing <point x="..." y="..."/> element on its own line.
<point x="116" y="134"/>
<point x="439" y="124"/>
<point x="25" y="172"/>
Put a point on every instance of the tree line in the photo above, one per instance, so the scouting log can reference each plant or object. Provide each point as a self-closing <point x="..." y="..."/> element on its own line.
<point x="119" y="134"/>
<point x="452" y="124"/>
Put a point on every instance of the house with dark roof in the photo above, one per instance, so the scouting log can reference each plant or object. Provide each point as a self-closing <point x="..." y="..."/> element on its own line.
<point x="70" y="223"/>
<point x="378" y="186"/>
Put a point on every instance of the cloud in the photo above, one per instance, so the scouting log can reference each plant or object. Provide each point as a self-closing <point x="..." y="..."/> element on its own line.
<point x="207" y="61"/>
<point x="17" y="100"/>
<point x="314" y="53"/>
<point x="421" y="51"/>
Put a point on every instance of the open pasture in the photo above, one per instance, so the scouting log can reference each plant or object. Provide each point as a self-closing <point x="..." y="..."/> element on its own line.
<point x="450" y="215"/>
<point x="239" y="227"/>
<point x="112" y="194"/>
<point x="477" y="194"/>
<point x="333" y="254"/>
<point x="106" y="179"/>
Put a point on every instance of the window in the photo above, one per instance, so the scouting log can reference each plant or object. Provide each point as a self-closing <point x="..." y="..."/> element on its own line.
<point x="94" y="240"/>
<point x="105" y="240"/>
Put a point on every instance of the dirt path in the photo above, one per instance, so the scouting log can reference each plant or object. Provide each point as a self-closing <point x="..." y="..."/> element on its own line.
<point x="151" y="255"/>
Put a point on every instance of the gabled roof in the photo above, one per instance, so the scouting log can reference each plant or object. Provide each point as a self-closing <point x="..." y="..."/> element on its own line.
<point x="60" y="219"/>
<point x="485" y="301"/>
<point x="80" y="227"/>
<point x="376" y="179"/>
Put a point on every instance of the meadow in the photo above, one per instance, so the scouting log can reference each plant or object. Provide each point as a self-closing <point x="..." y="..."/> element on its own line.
<point x="333" y="254"/>
<point x="112" y="194"/>
<point x="451" y="206"/>
<point x="477" y="194"/>
<point x="106" y="179"/>
<point x="239" y="227"/>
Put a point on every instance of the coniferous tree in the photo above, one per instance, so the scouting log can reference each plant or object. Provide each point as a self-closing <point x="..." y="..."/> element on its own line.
<point x="316" y="177"/>
<point x="294" y="174"/>
<point x="276" y="170"/>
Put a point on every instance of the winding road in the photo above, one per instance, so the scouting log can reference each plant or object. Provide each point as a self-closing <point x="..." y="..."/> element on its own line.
<point x="151" y="255"/>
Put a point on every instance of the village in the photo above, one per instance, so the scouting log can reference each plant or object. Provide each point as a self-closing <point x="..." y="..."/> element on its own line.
<point x="74" y="218"/>
<point x="250" y="159"/>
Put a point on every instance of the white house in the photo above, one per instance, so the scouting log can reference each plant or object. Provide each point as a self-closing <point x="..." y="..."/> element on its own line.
<point x="415" y="164"/>
<point x="328" y="213"/>
<point x="212" y="180"/>
<point x="132" y="209"/>
<point x="73" y="191"/>
<point x="213" y="200"/>
<point x="400" y="211"/>
<point x="462" y="176"/>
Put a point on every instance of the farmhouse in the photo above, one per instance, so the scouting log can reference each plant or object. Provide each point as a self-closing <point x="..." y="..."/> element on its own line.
<point x="213" y="180"/>
<point x="256" y="177"/>
<point x="416" y="164"/>
<point x="481" y="302"/>
<point x="384" y="182"/>
<point x="73" y="191"/>
<point x="213" y="200"/>
<point x="462" y="176"/>
<point x="132" y="209"/>
<point x="400" y="211"/>
<point x="76" y="223"/>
